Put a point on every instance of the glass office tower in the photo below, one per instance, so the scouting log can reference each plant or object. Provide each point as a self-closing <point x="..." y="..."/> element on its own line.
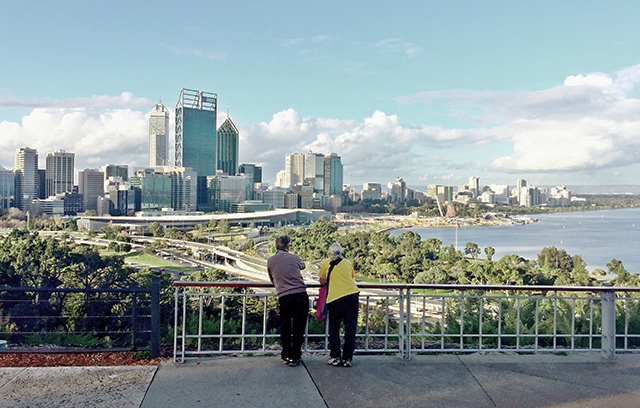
<point x="227" y="149"/>
<point x="196" y="136"/>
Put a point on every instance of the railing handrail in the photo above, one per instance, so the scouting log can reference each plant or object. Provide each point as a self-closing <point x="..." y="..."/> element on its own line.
<point x="72" y="290"/>
<point x="412" y="286"/>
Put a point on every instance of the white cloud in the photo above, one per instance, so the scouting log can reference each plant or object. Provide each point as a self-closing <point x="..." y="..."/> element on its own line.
<point x="588" y="123"/>
<point x="377" y="148"/>
<point x="396" y="45"/>
<point x="96" y="138"/>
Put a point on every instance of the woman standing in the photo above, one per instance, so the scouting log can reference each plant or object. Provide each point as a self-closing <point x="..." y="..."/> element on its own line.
<point x="342" y="302"/>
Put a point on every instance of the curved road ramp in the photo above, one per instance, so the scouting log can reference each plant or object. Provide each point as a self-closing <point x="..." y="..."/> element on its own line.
<point x="476" y="380"/>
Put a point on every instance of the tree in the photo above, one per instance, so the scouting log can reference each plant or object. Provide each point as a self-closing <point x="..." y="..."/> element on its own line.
<point x="156" y="229"/>
<point x="623" y="278"/>
<point x="489" y="251"/>
<point x="223" y="226"/>
<point x="471" y="249"/>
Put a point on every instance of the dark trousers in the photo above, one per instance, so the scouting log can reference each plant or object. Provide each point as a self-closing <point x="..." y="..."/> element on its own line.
<point x="343" y="310"/>
<point x="294" y="310"/>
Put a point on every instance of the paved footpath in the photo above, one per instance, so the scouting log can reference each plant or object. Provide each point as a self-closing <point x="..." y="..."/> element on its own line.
<point x="476" y="380"/>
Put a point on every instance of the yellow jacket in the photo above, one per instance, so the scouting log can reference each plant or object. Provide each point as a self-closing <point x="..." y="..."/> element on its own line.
<point x="341" y="281"/>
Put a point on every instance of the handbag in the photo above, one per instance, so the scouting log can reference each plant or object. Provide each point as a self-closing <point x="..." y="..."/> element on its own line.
<point x="322" y="310"/>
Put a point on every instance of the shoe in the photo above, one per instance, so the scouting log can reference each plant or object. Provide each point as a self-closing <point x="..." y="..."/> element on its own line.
<point x="294" y="363"/>
<point x="334" y="361"/>
<point x="346" y="363"/>
<point x="285" y="360"/>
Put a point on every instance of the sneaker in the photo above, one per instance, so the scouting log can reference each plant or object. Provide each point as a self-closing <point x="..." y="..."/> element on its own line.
<point x="285" y="360"/>
<point x="294" y="363"/>
<point x="334" y="361"/>
<point x="347" y="363"/>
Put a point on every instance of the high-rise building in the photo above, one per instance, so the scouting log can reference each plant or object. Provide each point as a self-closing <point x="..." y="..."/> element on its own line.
<point x="228" y="141"/>
<point x="294" y="164"/>
<point x="333" y="175"/>
<point x="196" y="136"/>
<point x="251" y="170"/>
<point x="7" y="188"/>
<point x="226" y="191"/>
<point x="115" y="170"/>
<point x="314" y="171"/>
<point x="154" y="187"/>
<point x="371" y="191"/>
<point x="91" y="186"/>
<point x="397" y="190"/>
<point x="159" y="136"/>
<point x="59" y="172"/>
<point x="26" y="177"/>
<point x="474" y="186"/>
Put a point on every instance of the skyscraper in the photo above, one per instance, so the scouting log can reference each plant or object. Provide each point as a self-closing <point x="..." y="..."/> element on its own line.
<point x="7" y="186"/>
<point x="26" y="173"/>
<point x="59" y="172"/>
<point x="252" y="170"/>
<point x="196" y="136"/>
<point x="314" y="171"/>
<point x="196" y="132"/>
<point x="227" y="147"/>
<point x="294" y="169"/>
<point x="159" y="136"/>
<point x="333" y="174"/>
<point x="91" y="186"/>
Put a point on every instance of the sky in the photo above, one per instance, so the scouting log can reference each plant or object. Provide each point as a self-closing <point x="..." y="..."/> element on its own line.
<point x="430" y="91"/>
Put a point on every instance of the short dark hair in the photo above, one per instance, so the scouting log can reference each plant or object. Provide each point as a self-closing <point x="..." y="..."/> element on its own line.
<point x="282" y="242"/>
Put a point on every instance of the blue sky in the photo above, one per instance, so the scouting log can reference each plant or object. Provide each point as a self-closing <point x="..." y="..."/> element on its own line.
<point x="434" y="92"/>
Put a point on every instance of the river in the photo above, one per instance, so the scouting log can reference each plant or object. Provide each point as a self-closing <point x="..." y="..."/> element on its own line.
<point x="598" y="236"/>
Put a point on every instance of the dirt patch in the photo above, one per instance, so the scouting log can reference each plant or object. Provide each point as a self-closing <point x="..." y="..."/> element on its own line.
<point x="95" y="359"/>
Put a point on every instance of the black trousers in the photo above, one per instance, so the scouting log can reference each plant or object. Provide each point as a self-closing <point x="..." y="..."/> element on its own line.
<point x="343" y="310"/>
<point x="294" y="311"/>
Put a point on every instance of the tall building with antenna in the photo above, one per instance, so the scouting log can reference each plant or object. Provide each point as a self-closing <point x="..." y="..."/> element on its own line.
<point x="159" y="136"/>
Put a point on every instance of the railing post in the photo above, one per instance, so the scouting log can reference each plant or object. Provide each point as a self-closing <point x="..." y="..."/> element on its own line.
<point x="134" y="318"/>
<point x="407" y="350"/>
<point x="155" y="317"/>
<point x="608" y="324"/>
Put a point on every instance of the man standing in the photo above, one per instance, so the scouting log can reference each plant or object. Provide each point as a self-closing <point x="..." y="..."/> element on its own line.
<point x="284" y="272"/>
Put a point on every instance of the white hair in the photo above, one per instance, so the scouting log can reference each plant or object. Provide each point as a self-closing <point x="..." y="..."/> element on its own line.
<point x="335" y="251"/>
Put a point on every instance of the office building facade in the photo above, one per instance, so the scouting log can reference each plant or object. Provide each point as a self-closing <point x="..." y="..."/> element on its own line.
<point x="333" y="176"/>
<point x="250" y="169"/>
<point x="228" y="139"/>
<point x="91" y="186"/>
<point x="294" y="173"/>
<point x="314" y="171"/>
<point x="196" y="136"/>
<point x="159" y="136"/>
<point x="7" y="188"/>
<point x="59" y="172"/>
<point x="26" y="177"/>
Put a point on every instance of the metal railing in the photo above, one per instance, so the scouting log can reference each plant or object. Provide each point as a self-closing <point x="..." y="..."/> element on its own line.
<point x="104" y="318"/>
<point x="241" y="317"/>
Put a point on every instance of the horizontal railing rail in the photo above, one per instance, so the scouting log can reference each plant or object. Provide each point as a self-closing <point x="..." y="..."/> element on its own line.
<point x="241" y="317"/>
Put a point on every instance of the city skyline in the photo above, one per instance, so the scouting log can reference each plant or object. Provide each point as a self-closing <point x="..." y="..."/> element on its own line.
<point x="432" y="93"/>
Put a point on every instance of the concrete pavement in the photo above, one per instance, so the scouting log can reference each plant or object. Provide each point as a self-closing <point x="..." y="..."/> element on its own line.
<point x="476" y="380"/>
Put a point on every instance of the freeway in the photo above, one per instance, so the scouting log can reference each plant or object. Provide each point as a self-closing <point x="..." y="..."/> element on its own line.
<point x="242" y="266"/>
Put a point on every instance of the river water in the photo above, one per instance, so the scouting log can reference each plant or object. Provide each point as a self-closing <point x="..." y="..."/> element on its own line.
<point x="598" y="236"/>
